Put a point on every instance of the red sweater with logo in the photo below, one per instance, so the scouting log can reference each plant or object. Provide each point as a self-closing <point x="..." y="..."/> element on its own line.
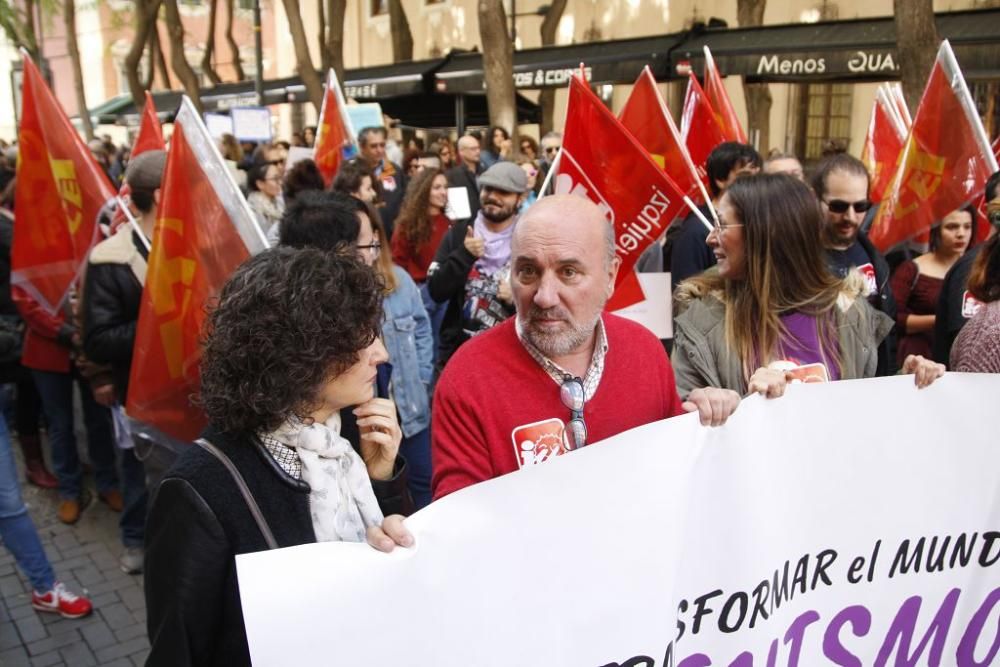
<point x="493" y="400"/>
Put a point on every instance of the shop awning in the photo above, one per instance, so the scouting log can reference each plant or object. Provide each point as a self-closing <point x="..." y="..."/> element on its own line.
<point x="851" y="50"/>
<point x="620" y="61"/>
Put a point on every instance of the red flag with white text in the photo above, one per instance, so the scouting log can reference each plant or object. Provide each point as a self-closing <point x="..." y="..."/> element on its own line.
<point x="699" y="127"/>
<point x="334" y="131"/>
<point x="645" y="115"/>
<point x="944" y="163"/>
<point x="60" y="194"/>
<point x="601" y="160"/>
<point x="204" y="230"/>
<point x="883" y="142"/>
<point x="725" y="115"/>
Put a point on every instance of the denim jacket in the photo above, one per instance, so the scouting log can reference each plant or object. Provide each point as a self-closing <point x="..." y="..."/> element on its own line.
<point x="406" y="330"/>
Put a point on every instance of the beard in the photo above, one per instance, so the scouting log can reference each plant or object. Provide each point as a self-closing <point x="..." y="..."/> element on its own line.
<point x="502" y="215"/>
<point x="556" y="343"/>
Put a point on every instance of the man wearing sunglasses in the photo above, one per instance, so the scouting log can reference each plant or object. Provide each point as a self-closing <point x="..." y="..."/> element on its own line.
<point x="562" y="374"/>
<point x="841" y="183"/>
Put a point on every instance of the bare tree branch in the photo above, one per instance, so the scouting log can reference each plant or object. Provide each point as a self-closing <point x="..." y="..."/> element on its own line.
<point x="145" y="29"/>
<point x="73" y="48"/>
<point x="234" y="48"/>
<point x="178" y="61"/>
<point x="206" y="59"/>
<point x="306" y="69"/>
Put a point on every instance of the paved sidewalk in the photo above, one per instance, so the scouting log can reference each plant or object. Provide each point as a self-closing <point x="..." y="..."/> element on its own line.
<point x="85" y="557"/>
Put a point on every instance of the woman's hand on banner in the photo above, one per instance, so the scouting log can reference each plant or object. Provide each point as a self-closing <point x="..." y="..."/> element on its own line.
<point x="389" y="534"/>
<point x="924" y="370"/>
<point x="768" y="382"/>
<point x="713" y="405"/>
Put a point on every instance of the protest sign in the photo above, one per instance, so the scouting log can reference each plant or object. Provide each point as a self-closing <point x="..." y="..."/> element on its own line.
<point x="251" y="123"/>
<point x="364" y="115"/>
<point x="805" y="531"/>
<point x="653" y="312"/>
<point x="218" y="124"/>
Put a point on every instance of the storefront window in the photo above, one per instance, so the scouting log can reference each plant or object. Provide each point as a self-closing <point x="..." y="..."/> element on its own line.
<point x="825" y="118"/>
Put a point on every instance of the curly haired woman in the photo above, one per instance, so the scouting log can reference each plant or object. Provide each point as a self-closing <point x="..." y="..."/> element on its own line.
<point x="280" y="374"/>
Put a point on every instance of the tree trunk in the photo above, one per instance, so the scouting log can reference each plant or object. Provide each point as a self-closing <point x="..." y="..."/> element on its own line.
<point x="756" y="95"/>
<point x="916" y="46"/>
<point x="402" y="38"/>
<point x="335" y="12"/>
<point x="547" y="98"/>
<point x="151" y="47"/>
<point x="498" y="65"/>
<point x="161" y="62"/>
<point x="178" y="62"/>
<point x="73" y="49"/>
<point x="312" y="81"/>
<point x="143" y="34"/>
<point x="234" y="48"/>
<point x="324" y="57"/>
<point x="206" y="59"/>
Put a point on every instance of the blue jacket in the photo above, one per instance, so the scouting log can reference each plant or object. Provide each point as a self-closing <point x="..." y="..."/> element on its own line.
<point x="406" y="330"/>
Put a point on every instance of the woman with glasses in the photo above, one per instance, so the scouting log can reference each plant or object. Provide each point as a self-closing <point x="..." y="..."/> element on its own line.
<point x="346" y="222"/>
<point x="444" y="149"/>
<point x="772" y="311"/>
<point x="529" y="148"/>
<point x="531" y="171"/>
<point x="916" y="284"/>
<point x="264" y="182"/>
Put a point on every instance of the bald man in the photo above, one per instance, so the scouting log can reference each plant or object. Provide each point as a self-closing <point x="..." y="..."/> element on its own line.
<point x="464" y="174"/>
<point x="562" y="374"/>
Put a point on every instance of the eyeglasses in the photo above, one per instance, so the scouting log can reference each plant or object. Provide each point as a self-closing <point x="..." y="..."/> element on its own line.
<point x="573" y="397"/>
<point x="839" y="206"/>
<point x="721" y="226"/>
<point x="551" y="149"/>
<point x="374" y="248"/>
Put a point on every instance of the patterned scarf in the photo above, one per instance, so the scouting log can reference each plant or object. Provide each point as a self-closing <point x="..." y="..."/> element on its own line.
<point x="342" y="501"/>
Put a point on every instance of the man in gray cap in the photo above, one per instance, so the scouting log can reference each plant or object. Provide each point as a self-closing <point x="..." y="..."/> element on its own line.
<point x="116" y="272"/>
<point x="471" y="266"/>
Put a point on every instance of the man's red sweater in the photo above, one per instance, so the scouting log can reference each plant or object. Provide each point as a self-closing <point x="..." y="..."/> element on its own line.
<point x="493" y="401"/>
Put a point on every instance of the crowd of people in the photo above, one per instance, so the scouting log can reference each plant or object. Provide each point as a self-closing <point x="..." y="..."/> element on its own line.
<point x="430" y="321"/>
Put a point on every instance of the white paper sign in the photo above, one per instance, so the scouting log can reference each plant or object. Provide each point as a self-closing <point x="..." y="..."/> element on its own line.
<point x="297" y="154"/>
<point x="656" y="311"/>
<point x="218" y="124"/>
<point x="458" y="207"/>
<point x="843" y="522"/>
<point x="251" y="123"/>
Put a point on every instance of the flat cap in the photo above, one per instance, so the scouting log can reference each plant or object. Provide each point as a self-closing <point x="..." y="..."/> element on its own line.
<point x="145" y="171"/>
<point x="505" y="176"/>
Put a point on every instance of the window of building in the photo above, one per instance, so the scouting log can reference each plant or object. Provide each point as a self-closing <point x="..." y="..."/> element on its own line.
<point x="824" y="118"/>
<point x="378" y="7"/>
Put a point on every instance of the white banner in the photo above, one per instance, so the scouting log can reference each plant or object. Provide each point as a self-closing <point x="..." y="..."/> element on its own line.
<point x="851" y="523"/>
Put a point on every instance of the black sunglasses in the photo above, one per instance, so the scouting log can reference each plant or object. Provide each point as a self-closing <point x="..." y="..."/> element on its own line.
<point x="573" y="397"/>
<point x="840" y="206"/>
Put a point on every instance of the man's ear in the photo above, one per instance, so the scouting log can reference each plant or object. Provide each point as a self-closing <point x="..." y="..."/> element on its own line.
<point x="613" y="274"/>
<point x="156" y="197"/>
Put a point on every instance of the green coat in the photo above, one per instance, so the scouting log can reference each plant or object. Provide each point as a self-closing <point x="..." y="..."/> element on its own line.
<point x="701" y="357"/>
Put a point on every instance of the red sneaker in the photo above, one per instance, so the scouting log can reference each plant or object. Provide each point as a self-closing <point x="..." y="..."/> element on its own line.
<point x="61" y="601"/>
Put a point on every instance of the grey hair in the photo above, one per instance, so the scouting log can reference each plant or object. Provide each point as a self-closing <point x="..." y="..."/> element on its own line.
<point x="552" y="135"/>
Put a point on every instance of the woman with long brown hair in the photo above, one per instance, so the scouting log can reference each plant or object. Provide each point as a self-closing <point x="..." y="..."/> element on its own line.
<point x="977" y="347"/>
<point x="421" y="225"/>
<point x="772" y="311"/>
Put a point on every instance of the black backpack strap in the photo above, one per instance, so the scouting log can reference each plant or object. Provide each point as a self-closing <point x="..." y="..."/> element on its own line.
<point x="258" y="516"/>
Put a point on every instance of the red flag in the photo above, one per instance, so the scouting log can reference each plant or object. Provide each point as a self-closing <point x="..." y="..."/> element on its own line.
<point x="699" y="126"/>
<point x="646" y="117"/>
<point x="203" y="232"/>
<point x="725" y="115"/>
<point x="882" y="144"/>
<point x="944" y="163"/>
<point x="601" y="160"/>
<point x="149" y="138"/>
<point x="334" y="132"/>
<point x="61" y="192"/>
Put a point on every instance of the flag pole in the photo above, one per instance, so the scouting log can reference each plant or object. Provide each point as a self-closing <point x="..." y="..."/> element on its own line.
<point x="133" y="222"/>
<point x="701" y="216"/>
<point x="548" y="177"/>
<point x="955" y="78"/>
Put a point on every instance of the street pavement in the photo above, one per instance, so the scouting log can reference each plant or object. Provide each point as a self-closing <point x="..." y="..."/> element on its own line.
<point x="85" y="558"/>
